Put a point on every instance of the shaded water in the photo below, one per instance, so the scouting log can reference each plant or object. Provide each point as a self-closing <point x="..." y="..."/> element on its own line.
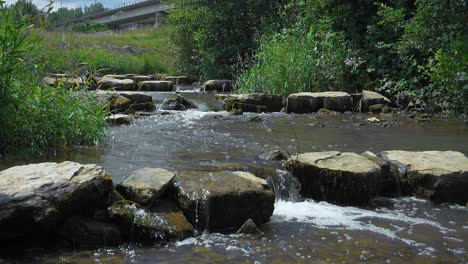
<point x="300" y="231"/>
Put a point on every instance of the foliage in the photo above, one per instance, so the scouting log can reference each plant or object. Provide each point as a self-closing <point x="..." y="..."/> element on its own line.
<point x="88" y="27"/>
<point x="292" y="61"/>
<point x="35" y="118"/>
<point x="403" y="48"/>
<point x="145" y="51"/>
<point x="211" y="36"/>
<point x="64" y="13"/>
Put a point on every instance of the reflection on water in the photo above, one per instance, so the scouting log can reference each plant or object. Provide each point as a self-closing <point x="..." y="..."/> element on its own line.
<point x="414" y="231"/>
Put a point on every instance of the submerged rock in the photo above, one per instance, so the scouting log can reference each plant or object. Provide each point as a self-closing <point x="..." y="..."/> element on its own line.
<point x="370" y="98"/>
<point x="146" y="185"/>
<point x="35" y="198"/>
<point x="249" y="227"/>
<point x="305" y="102"/>
<point x="217" y="200"/>
<point x="120" y="119"/>
<point x="441" y="176"/>
<point x="84" y="232"/>
<point x="157" y="86"/>
<point x="339" y="177"/>
<point x="256" y="102"/>
<point x="218" y="85"/>
<point x="381" y="109"/>
<point x="110" y="82"/>
<point x="142" y="225"/>
<point x="180" y="104"/>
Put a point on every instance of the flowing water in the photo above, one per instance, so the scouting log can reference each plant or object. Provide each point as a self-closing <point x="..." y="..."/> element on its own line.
<point x="304" y="231"/>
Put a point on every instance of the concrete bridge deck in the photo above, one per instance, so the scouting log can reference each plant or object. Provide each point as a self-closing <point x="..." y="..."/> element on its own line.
<point x="145" y="11"/>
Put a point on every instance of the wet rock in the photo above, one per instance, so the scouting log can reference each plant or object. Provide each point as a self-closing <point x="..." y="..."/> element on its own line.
<point x="218" y="85"/>
<point x="370" y="98"/>
<point x="381" y="202"/>
<point x="146" y="185"/>
<point x="109" y="82"/>
<point x="157" y="86"/>
<point x="255" y="119"/>
<point x="144" y="226"/>
<point x="218" y="201"/>
<point x="339" y="177"/>
<point x="84" y="232"/>
<point x="119" y="104"/>
<point x="140" y="102"/>
<point x="35" y="198"/>
<point x="311" y="102"/>
<point x="259" y="171"/>
<point x="381" y="109"/>
<point x="120" y="119"/>
<point x="441" y="176"/>
<point x="138" y="78"/>
<point x="249" y="227"/>
<point x="257" y="102"/>
<point x="180" y="104"/>
<point x="277" y="155"/>
<point x="178" y="80"/>
<point x="325" y="111"/>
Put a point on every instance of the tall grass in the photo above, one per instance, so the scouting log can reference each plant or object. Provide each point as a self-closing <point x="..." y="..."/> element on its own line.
<point x="295" y="61"/>
<point x="144" y="51"/>
<point x="35" y="118"/>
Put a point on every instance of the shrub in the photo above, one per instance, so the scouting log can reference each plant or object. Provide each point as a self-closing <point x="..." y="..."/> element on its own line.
<point x="36" y="118"/>
<point x="292" y="61"/>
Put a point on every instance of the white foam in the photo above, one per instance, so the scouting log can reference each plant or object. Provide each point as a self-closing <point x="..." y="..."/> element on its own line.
<point x="325" y="215"/>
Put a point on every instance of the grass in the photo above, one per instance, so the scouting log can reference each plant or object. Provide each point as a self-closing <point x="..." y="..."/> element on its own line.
<point x="143" y="51"/>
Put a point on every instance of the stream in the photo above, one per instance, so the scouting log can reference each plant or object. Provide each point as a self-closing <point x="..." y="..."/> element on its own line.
<point x="300" y="231"/>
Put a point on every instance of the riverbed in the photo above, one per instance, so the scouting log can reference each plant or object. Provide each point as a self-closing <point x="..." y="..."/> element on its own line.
<point x="303" y="231"/>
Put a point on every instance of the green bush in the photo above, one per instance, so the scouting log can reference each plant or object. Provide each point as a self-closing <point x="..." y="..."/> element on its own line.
<point x="36" y="118"/>
<point x="212" y="36"/>
<point x="293" y="61"/>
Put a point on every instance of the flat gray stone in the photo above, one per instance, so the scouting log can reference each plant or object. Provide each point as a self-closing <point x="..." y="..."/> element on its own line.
<point x="146" y="185"/>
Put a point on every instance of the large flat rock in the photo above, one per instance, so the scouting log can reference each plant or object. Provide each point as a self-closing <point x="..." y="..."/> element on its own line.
<point x="110" y="82"/>
<point x="156" y="86"/>
<point x="35" y="198"/>
<point x="146" y="185"/>
<point x="441" y="176"/>
<point x="255" y="102"/>
<point x="311" y="102"/>
<point x="339" y="177"/>
<point x="223" y="200"/>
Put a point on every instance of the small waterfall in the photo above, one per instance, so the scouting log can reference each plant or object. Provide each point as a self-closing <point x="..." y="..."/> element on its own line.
<point x="285" y="186"/>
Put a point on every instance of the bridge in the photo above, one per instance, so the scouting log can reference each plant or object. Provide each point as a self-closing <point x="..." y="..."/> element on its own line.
<point x="128" y="14"/>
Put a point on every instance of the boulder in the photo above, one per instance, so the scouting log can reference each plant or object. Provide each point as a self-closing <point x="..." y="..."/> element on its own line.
<point x="370" y="98"/>
<point x="217" y="201"/>
<point x="120" y="119"/>
<point x="85" y="232"/>
<point x="311" y="102"/>
<point x="157" y="86"/>
<point x="119" y="104"/>
<point x="338" y="177"/>
<point x="36" y="198"/>
<point x="256" y="102"/>
<point x="178" y="80"/>
<point x="441" y="176"/>
<point x="146" y="185"/>
<point x="218" y="85"/>
<point x="138" y="78"/>
<point x="65" y="81"/>
<point x="108" y="82"/>
<point x="140" y="102"/>
<point x="180" y="104"/>
<point x="381" y="109"/>
<point x="142" y="225"/>
<point x="249" y="227"/>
